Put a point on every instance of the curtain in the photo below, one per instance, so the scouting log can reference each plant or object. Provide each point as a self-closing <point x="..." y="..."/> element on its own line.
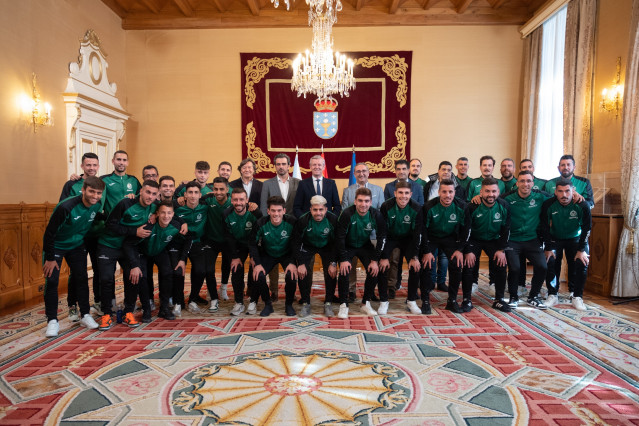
<point x="626" y="282"/>
<point x="532" y="73"/>
<point x="578" y="80"/>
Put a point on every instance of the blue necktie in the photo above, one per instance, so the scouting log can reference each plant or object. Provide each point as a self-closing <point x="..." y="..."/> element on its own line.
<point x="318" y="189"/>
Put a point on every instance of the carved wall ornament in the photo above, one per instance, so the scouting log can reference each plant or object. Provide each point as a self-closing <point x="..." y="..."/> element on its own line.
<point x="36" y="253"/>
<point x="10" y="257"/>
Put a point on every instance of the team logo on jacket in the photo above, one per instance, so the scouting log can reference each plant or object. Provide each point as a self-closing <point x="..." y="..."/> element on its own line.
<point x="407" y="219"/>
<point x="326" y="231"/>
<point x="453" y="216"/>
<point x="199" y="216"/>
<point x="129" y="186"/>
<point x="168" y="238"/>
<point x="497" y="216"/>
<point x="573" y="214"/>
<point x="532" y="203"/>
<point x="325" y="119"/>
<point x="249" y="224"/>
<point x="368" y="227"/>
<point x="284" y="234"/>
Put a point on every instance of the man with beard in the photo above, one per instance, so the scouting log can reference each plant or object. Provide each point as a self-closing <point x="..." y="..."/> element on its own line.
<point x="119" y="185"/>
<point x="565" y="227"/>
<point x="415" y="170"/>
<point x="488" y="230"/>
<point x="90" y="166"/>
<point x="314" y="233"/>
<point x="401" y="171"/>
<point x="507" y="170"/>
<point x="239" y="222"/>
<point x="486" y="166"/>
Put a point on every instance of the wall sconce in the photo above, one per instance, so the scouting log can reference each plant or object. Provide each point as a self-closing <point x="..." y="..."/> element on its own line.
<point x="612" y="98"/>
<point x="40" y="113"/>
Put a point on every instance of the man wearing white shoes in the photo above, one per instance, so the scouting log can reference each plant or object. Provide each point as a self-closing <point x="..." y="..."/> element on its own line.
<point x="354" y="228"/>
<point x="565" y="227"/>
<point x="64" y="239"/>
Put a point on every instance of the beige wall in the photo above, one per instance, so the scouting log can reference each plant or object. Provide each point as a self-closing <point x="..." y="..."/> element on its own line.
<point x="185" y="96"/>
<point x="42" y="36"/>
<point x="612" y="41"/>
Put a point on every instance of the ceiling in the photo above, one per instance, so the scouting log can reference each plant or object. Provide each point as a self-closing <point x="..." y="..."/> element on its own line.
<point x="181" y="14"/>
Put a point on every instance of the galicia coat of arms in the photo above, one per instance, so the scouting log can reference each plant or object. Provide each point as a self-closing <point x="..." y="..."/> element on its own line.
<point x="325" y="119"/>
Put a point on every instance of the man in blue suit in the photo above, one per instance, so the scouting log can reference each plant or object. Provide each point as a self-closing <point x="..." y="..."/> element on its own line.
<point x="317" y="184"/>
<point x="401" y="171"/>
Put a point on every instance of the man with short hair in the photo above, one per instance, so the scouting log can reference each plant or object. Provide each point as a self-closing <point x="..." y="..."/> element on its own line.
<point x="462" y="177"/>
<point x="488" y="228"/>
<point x="253" y="187"/>
<point x="119" y="185"/>
<point x="150" y="172"/>
<point x="165" y="233"/>
<point x="507" y="169"/>
<point x="90" y="166"/>
<point x="194" y="213"/>
<point x="486" y="166"/>
<point x="525" y="208"/>
<point x="348" y="199"/>
<point x="316" y="184"/>
<point x="444" y="220"/>
<point x="403" y="218"/>
<point x="401" y="171"/>
<point x="527" y="164"/>
<point x="284" y="186"/>
<point x="128" y="218"/>
<point x="270" y="243"/>
<point x="314" y="233"/>
<point x="224" y="169"/>
<point x="354" y="228"/>
<point x="64" y="239"/>
<point x="565" y="227"/>
<point x="167" y="188"/>
<point x="239" y="223"/>
<point x="202" y="173"/>
<point x="415" y="166"/>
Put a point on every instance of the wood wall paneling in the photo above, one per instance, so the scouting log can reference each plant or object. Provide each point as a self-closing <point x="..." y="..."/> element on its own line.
<point x="604" y="243"/>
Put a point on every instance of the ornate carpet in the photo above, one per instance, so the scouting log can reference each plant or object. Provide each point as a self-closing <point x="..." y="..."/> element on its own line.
<point x="558" y="366"/>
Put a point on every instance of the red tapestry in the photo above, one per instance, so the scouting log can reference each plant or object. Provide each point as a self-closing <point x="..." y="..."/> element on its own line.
<point x="374" y="120"/>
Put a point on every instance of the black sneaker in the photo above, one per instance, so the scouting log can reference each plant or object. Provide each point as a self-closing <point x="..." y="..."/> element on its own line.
<point x="453" y="306"/>
<point x="426" y="308"/>
<point x="536" y="302"/>
<point x="466" y="305"/>
<point x="501" y="305"/>
<point x="290" y="311"/>
<point x="166" y="314"/>
<point x="442" y="287"/>
<point x="268" y="310"/>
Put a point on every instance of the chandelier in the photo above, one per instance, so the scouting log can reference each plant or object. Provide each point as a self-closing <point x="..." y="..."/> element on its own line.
<point x="321" y="72"/>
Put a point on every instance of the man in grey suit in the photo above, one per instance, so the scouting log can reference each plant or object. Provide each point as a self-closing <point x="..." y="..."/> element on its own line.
<point x="348" y="199"/>
<point x="283" y="186"/>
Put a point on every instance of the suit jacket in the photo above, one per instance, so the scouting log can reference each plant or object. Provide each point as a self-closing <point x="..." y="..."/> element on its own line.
<point x="271" y="188"/>
<point x="306" y="190"/>
<point x="256" y="190"/>
<point x="348" y="197"/>
<point x="418" y="191"/>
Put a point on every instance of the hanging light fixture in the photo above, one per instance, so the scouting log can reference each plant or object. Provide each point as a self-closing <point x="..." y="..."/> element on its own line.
<point x="321" y="72"/>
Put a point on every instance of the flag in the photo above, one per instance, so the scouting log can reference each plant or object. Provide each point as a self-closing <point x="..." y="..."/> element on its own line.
<point x="296" y="167"/>
<point x="325" y="172"/>
<point x="351" y="178"/>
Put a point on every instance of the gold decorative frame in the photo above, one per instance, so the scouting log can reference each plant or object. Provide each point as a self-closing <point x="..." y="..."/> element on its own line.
<point x="255" y="71"/>
<point x="395" y="68"/>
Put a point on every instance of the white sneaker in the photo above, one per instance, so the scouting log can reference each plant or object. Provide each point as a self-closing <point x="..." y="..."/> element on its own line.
<point x="543" y="293"/>
<point x="194" y="308"/>
<point x="474" y="290"/>
<point x="578" y="303"/>
<point x="571" y="295"/>
<point x="343" y="311"/>
<point x="73" y="314"/>
<point x="252" y="309"/>
<point x="383" y="308"/>
<point x="52" y="328"/>
<point x="413" y="308"/>
<point x="551" y="300"/>
<point x="223" y="292"/>
<point x="368" y="309"/>
<point x="238" y="308"/>
<point x="214" y="306"/>
<point x="152" y="303"/>
<point x="88" y="321"/>
<point x="177" y="310"/>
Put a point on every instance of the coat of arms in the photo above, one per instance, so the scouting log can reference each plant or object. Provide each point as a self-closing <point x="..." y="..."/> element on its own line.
<point x="325" y="119"/>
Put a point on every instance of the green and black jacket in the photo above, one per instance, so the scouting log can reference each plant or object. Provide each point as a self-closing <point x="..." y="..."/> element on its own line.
<point x="116" y="188"/>
<point x="308" y="233"/>
<point x="464" y="182"/>
<point x="68" y="224"/>
<point x="159" y="240"/>
<point x="353" y="231"/>
<point x="441" y="222"/>
<point x="524" y="214"/>
<point x="214" y="229"/>
<point x="275" y="241"/>
<point x="403" y="225"/>
<point x="565" y="223"/>
<point x="474" y="187"/>
<point x="194" y="218"/>
<point x="238" y="229"/>
<point x="488" y="224"/>
<point x="180" y="190"/>
<point x="582" y="186"/>
<point x="123" y="221"/>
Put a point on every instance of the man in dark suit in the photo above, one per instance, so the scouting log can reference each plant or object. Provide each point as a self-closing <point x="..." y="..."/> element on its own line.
<point x="401" y="171"/>
<point x="317" y="184"/>
<point x="253" y="187"/>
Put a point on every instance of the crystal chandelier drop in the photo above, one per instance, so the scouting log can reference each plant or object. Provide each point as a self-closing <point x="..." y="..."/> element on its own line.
<point x="321" y="72"/>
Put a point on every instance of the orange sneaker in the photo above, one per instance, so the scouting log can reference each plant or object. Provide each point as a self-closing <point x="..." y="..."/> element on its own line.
<point x="130" y="320"/>
<point x="105" y="322"/>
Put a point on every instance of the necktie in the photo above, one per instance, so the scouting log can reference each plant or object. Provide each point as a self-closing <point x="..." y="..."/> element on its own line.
<point x="318" y="190"/>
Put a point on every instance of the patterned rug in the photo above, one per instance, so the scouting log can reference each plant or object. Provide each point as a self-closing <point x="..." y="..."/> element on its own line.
<point x="558" y="366"/>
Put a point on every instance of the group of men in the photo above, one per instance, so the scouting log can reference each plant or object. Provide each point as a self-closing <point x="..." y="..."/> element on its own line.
<point x="439" y="226"/>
